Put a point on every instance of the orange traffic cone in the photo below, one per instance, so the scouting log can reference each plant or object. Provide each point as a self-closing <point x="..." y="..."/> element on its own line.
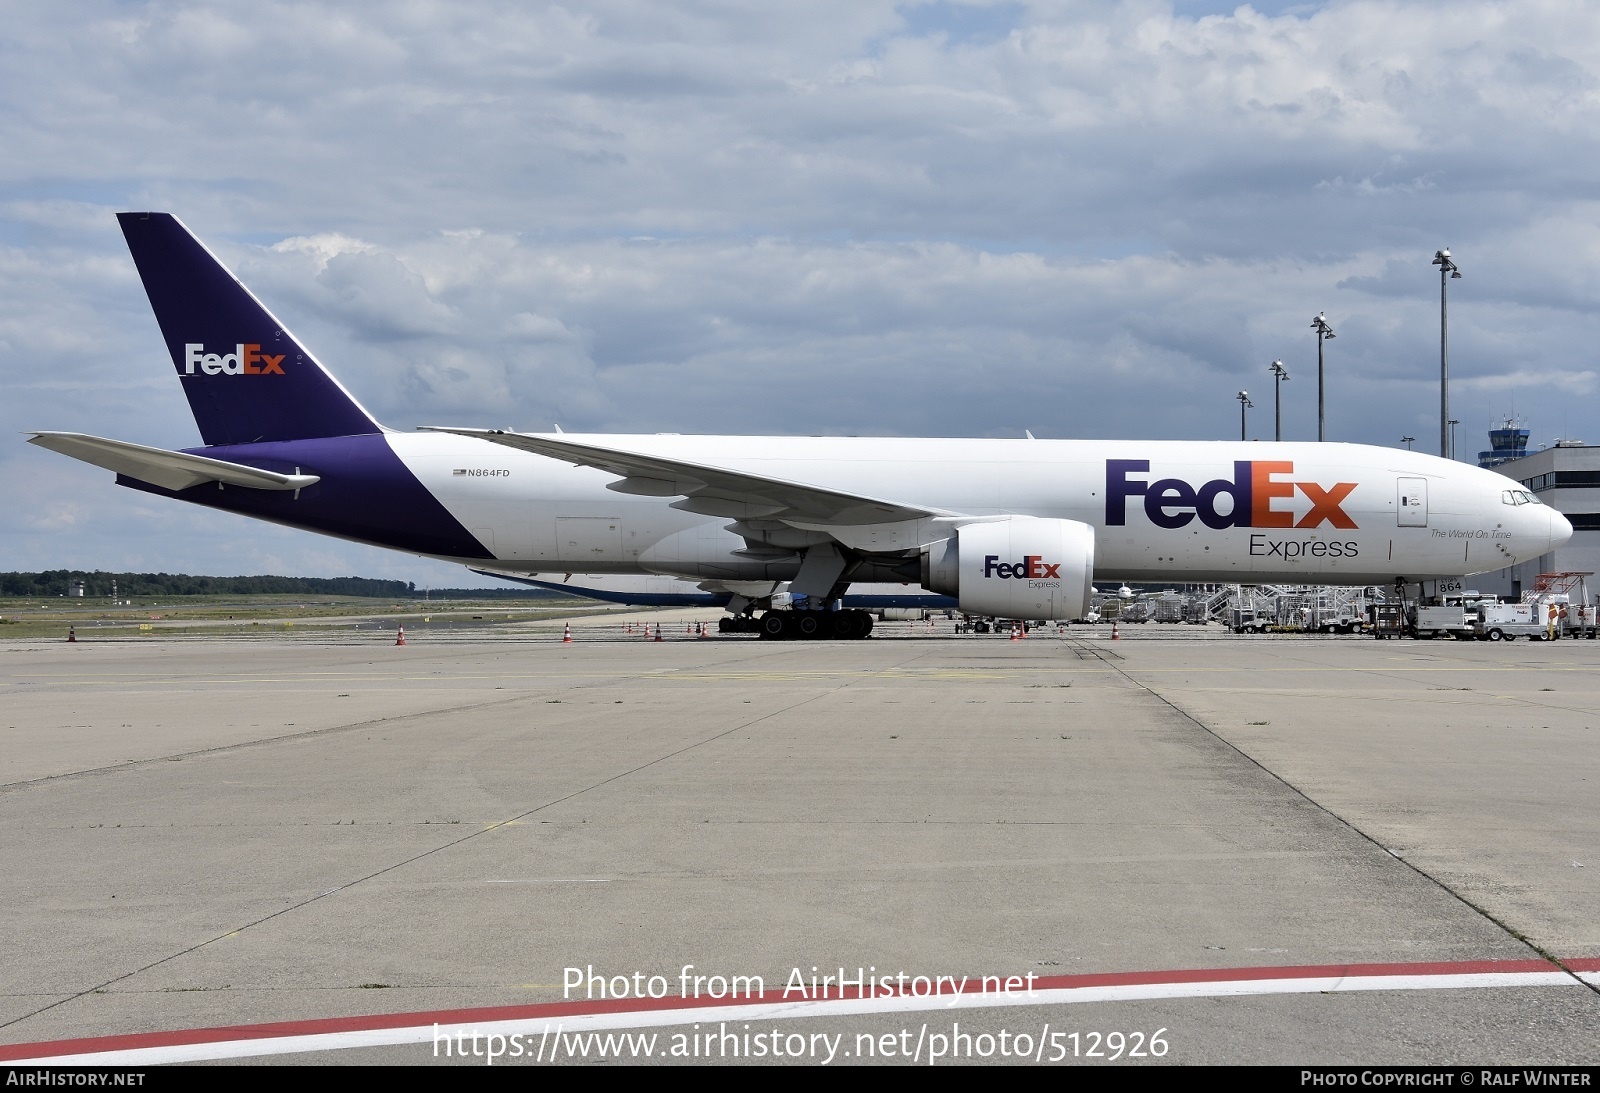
<point x="702" y="629"/>
<point x="400" y="638"/>
<point x="1016" y="632"/>
<point x="658" y="631"/>
<point x="567" y="637"/>
<point x="72" y="633"/>
<point x="1114" y="630"/>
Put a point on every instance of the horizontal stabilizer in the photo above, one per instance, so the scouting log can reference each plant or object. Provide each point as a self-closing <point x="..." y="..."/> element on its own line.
<point x="169" y="470"/>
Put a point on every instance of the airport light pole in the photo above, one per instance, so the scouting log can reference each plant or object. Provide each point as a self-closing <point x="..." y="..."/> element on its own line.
<point x="1452" y="425"/>
<point x="1447" y="270"/>
<point x="1324" y="332"/>
<point x="1244" y="402"/>
<point x="1408" y="441"/>
<point x="1279" y="374"/>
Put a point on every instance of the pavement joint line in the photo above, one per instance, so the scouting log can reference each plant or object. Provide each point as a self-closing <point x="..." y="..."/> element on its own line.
<point x="486" y="824"/>
<point x="1479" y="695"/>
<point x="1110" y="667"/>
<point x="538" y="691"/>
<point x="480" y="831"/>
<point x="1474" y="669"/>
<point x="92" y="772"/>
<point x="1483" y="912"/>
<point x="1389" y="698"/>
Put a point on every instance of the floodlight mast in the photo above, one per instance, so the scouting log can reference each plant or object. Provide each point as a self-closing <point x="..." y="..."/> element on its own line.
<point x="1447" y="270"/>
<point x="1324" y="332"/>
<point x="1279" y="374"/>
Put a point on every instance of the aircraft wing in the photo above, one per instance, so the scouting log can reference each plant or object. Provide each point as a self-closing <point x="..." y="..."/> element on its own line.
<point x="169" y="470"/>
<point x="717" y="491"/>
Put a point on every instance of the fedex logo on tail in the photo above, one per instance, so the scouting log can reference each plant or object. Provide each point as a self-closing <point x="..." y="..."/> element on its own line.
<point x="245" y="360"/>
<point x="1253" y="495"/>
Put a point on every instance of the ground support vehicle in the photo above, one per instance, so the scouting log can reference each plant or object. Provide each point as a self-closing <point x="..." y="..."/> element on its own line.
<point x="1449" y="621"/>
<point x="1386" y="620"/>
<point x="1509" y="621"/>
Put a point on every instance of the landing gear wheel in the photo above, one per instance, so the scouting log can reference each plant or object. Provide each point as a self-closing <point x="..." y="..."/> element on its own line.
<point x="844" y="625"/>
<point x="808" y="625"/>
<point x="773" y="626"/>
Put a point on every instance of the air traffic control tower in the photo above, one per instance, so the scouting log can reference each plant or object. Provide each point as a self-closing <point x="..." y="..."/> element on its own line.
<point x="1506" y="443"/>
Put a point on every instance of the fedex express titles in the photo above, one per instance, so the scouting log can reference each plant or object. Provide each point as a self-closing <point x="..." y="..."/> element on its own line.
<point x="1173" y="503"/>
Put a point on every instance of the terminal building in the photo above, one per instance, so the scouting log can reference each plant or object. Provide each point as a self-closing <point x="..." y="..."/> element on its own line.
<point x="1565" y="476"/>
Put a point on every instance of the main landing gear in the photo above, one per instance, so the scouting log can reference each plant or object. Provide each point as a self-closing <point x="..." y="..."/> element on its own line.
<point x="794" y="625"/>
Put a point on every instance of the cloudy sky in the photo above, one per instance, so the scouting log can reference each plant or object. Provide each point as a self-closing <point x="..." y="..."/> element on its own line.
<point x="838" y="216"/>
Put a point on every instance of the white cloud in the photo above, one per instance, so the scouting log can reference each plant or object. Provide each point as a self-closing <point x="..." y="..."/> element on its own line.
<point x="1534" y="382"/>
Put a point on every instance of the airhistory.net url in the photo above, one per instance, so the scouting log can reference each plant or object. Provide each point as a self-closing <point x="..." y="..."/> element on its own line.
<point x="555" y="1044"/>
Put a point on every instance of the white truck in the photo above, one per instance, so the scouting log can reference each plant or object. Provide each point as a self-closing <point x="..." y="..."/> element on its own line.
<point x="1580" y="621"/>
<point x="1449" y="621"/>
<point x="1509" y="621"/>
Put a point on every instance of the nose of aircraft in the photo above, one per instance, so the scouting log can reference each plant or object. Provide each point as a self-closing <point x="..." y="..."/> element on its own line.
<point x="1560" y="530"/>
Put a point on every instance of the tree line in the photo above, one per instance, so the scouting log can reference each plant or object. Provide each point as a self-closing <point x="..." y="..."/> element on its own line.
<point x="53" y="583"/>
<point x="59" y="582"/>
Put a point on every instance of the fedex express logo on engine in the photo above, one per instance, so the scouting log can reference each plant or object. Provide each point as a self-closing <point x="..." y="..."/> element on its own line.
<point x="1032" y="567"/>
<point x="1251" y="494"/>
<point x="245" y="360"/>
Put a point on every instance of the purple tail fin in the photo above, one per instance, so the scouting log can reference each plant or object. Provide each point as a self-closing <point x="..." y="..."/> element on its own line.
<point x="246" y="377"/>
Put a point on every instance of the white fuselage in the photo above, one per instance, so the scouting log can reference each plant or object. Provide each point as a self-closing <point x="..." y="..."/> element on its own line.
<point x="1160" y="510"/>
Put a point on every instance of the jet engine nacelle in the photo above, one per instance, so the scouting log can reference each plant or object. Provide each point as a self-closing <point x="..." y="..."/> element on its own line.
<point x="1021" y="567"/>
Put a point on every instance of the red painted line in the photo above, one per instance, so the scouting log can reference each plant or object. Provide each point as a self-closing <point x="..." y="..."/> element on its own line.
<point x="1583" y="964"/>
<point x="547" y="1010"/>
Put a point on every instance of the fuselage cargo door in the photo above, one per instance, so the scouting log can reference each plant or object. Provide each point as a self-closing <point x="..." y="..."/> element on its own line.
<point x="1412" y="504"/>
<point x="589" y="538"/>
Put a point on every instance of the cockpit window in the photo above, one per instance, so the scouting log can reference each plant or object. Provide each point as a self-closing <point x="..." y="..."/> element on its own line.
<point x="1518" y="497"/>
